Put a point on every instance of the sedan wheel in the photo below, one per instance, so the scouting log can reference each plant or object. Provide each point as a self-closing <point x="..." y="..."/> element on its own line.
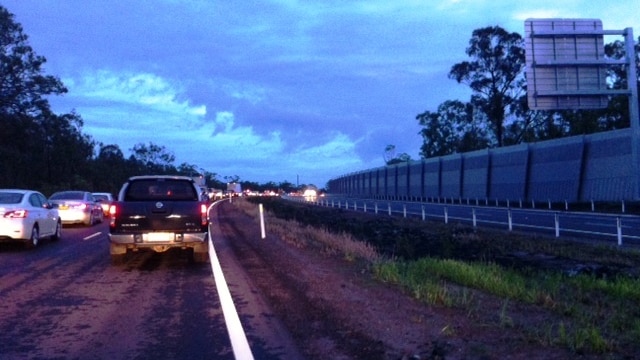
<point x="35" y="238"/>
<point x="58" y="233"/>
<point x="91" y="220"/>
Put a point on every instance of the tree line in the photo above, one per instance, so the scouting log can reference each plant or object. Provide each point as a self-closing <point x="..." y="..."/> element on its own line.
<point x="42" y="150"/>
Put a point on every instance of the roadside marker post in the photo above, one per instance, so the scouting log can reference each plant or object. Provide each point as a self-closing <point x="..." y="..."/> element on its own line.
<point x="262" y="232"/>
<point x="619" y="226"/>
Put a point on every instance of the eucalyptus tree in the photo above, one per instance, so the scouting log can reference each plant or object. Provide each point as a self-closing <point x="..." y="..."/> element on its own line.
<point x="38" y="148"/>
<point x="154" y="158"/>
<point x="454" y="128"/>
<point x="494" y="74"/>
<point x="23" y="85"/>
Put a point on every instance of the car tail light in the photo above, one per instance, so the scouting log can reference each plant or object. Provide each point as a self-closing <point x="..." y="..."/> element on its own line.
<point x="16" y="214"/>
<point x="203" y="214"/>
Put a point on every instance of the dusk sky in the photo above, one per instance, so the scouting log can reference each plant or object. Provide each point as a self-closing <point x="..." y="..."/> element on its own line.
<point x="279" y="90"/>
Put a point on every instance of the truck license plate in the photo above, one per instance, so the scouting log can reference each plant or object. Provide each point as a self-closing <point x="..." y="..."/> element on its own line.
<point x="159" y="236"/>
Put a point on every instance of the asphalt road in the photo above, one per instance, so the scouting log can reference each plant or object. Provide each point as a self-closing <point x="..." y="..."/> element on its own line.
<point x="64" y="300"/>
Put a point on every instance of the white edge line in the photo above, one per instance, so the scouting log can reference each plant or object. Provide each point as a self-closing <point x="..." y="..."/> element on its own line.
<point x="239" y="343"/>
<point x="93" y="235"/>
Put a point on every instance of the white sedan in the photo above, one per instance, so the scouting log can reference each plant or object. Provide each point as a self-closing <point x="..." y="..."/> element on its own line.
<point x="27" y="216"/>
<point x="77" y="207"/>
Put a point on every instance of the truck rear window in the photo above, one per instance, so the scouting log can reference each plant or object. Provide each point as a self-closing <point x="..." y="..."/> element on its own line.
<point x="161" y="189"/>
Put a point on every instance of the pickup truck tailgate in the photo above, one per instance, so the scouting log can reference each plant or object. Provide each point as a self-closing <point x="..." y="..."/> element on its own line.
<point x="159" y="216"/>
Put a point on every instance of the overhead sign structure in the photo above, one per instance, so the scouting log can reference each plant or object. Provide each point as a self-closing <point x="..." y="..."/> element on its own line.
<point x="566" y="67"/>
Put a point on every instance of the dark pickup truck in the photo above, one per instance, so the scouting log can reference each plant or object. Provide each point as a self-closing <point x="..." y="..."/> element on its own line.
<point x="159" y="212"/>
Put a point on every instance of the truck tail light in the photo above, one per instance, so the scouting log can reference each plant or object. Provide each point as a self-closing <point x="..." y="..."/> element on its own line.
<point x="113" y="210"/>
<point x="203" y="214"/>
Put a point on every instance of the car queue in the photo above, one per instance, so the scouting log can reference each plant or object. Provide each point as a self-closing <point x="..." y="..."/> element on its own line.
<point x="27" y="216"/>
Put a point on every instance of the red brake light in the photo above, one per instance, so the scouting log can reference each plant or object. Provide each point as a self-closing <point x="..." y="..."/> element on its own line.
<point x="203" y="214"/>
<point x="16" y="214"/>
<point x="112" y="214"/>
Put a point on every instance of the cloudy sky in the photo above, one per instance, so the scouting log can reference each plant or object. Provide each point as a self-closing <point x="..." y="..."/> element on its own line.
<point x="273" y="90"/>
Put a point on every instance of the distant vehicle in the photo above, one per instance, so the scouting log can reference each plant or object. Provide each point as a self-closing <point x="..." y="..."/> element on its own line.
<point x="157" y="213"/>
<point x="26" y="216"/>
<point x="105" y="200"/>
<point x="310" y="194"/>
<point x="234" y="189"/>
<point x="216" y="194"/>
<point x="77" y="207"/>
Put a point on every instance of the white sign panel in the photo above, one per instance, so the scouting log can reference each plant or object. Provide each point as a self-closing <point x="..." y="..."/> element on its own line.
<point x="566" y="67"/>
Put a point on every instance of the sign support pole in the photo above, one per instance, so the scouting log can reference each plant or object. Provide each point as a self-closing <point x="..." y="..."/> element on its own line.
<point x="634" y="116"/>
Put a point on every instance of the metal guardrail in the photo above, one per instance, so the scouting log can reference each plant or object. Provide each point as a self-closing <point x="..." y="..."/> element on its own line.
<point x="621" y="229"/>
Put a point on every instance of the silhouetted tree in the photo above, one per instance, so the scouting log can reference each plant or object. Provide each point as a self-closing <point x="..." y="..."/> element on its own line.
<point x="494" y="74"/>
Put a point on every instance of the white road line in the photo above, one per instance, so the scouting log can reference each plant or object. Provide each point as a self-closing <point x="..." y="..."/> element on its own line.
<point x="239" y="343"/>
<point x="92" y="235"/>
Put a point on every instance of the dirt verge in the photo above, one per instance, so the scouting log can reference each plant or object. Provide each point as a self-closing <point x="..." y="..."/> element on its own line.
<point x="334" y="309"/>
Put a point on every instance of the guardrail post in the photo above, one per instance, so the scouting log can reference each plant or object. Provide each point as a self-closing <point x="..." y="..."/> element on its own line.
<point x="365" y="207"/>
<point x="557" y="221"/>
<point x="389" y="207"/>
<point x="619" y="226"/>
<point x="423" y="215"/>
<point x="375" y="205"/>
<point x="473" y="215"/>
<point x="404" y="210"/>
<point x="446" y="215"/>
<point x="355" y="205"/>
<point x="510" y="220"/>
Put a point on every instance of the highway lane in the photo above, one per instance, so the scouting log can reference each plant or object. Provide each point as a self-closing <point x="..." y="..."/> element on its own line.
<point x="64" y="299"/>
<point x="608" y="228"/>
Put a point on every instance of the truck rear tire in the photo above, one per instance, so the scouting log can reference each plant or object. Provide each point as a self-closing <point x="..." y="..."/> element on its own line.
<point x="201" y="253"/>
<point x="118" y="253"/>
<point x="200" y="257"/>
